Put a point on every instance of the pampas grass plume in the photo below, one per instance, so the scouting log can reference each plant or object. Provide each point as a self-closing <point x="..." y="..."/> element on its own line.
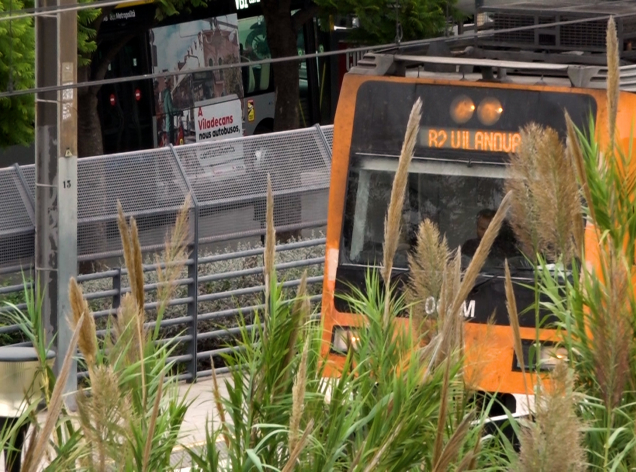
<point x="394" y="212"/>
<point x="298" y="397"/>
<point x="88" y="337"/>
<point x="613" y="81"/>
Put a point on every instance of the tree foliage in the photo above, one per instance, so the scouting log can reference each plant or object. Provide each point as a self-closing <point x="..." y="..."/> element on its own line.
<point x="419" y="19"/>
<point x="17" y="58"/>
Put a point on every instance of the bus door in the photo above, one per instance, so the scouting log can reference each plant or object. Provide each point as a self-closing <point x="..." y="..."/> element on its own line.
<point x="126" y="107"/>
<point x="456" y="180"/>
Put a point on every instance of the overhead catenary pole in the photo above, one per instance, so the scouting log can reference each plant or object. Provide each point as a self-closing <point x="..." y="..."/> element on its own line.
<point x="56" y="172"/>
<point x="46" y="153"/>
<point x="67" y="181"/>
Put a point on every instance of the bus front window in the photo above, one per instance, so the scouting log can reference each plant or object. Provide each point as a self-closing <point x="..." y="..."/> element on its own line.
<point x="460" y="199"/>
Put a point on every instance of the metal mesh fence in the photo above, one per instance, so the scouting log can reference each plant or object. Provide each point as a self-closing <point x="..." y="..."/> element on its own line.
<point x="149" y="186"/>
<point x="17" y="230"/>
<point x="328" y="132"/>
<point x="228" y="180"/>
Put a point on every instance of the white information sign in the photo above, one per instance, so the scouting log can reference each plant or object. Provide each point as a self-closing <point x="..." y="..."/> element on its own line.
<point x="216" y="120"/>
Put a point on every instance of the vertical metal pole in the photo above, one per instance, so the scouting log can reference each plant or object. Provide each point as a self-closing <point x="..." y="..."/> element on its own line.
<point x="46" y="154"/>
<point x="67" y="185"/>
<point x="193" y="272"/>
<point x="478" y="5"/>
<point x="193" y="292"/>
<point x="117" y="286"/>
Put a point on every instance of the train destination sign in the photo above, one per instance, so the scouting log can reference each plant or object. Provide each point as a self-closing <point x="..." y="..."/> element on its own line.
<point x="470" y="140"/>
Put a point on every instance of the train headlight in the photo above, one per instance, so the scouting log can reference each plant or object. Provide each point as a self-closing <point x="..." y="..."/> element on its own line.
<point x="543" y="357"/>
<point x="550" y="356"/>
<point x="344" y="338"/>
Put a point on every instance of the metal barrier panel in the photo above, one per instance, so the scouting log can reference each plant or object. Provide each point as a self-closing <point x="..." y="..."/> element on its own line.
<point x="328" y="132"/>
<point x="149" y="186"/>
<point x="229" y="179"/>
<point x="29" y="176"/>
<point x="17" y="230"/>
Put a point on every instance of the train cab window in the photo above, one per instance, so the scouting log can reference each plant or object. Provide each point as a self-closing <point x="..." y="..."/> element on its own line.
<point x="452" y="194"/>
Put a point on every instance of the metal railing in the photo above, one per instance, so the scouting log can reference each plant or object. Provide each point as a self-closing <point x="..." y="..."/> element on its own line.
<point x="226" y="179"/>
<point x="152" y="186"/>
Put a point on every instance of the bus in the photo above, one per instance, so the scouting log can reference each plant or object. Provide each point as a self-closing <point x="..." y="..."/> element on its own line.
<point x="145" y="114"/>
<point x="470" y="124"/>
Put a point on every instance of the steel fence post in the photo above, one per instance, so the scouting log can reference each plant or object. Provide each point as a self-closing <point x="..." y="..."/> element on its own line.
<point x="27" y="196"/>
<point x="117" y="286"/>
<point x="193" y="273"/>
<point x="323" y="138"/>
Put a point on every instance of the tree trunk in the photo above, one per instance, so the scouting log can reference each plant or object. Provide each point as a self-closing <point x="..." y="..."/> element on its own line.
<point x="90" y="143"/>
<point x="281" y="37"/>
<point x="89" y="127"/>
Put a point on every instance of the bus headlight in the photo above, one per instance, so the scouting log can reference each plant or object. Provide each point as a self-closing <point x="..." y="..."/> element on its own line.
<point x="343" y="338"/>
<point x="545" y="358"/>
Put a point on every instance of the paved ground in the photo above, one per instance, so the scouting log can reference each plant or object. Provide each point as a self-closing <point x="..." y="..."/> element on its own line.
<point x="202" y="409"/>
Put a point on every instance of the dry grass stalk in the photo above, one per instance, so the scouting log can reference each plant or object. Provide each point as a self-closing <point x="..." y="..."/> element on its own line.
<point x="524" y="214"/>
<point x="554" y="440"/>
<point x="125" y="329"/>
<point x="546" y="208"/>
<point x="469" y="462"/>
<point x="453" y="446"/>
<point x="612" y="333"/>
<point x="35" y="455"/>
<point x="441" y="420"/>
<point x="131" y="255"/>
<point x="270" y="243"/>
<point x="293" y="457"/>
<point x="153" y="424"/>
<point x="134" y="264"/>
<point x="136" y="271"/>
<point x="449" y="339"/>
<point x="301" y="310"/>
<point x="88" y="337"/>
<point x="481" y="254"/>
<point x="174" y="257"/>
<point x="613" y="82"/>
<point x="378" y="455"/>
<point x="426" y="266"/>
<point x="394" y="212"/>
<point x="428" y="262"/>
<point x="103" y="416"/>
<point x="575" y="154"/>
<point x="455" y="290"/>
<point x="298" y="397"/>
<point x="513" y="315"/>
<point x="218" y="403"/>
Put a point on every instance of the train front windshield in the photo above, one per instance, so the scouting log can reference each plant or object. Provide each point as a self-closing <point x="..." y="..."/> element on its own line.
<point x="459" y="198"/>
<point x="456" y="178"/>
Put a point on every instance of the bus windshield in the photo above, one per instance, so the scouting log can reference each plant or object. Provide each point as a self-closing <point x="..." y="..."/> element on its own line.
<point x="460" y="198"/>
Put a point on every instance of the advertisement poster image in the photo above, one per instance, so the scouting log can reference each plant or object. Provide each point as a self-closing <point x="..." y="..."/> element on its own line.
<point x="220" y="119"/>
<point x="176" y="49"/>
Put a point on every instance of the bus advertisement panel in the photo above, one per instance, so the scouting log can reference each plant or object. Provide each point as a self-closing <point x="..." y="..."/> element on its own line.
<point x="186" y="46"/>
